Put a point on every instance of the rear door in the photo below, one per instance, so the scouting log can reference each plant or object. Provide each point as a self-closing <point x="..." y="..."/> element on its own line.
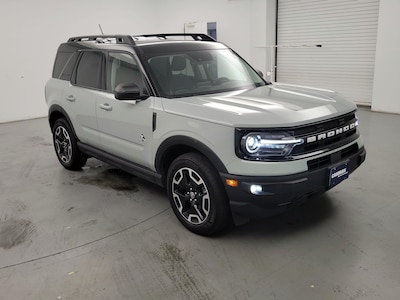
<point x="80" y="96"/>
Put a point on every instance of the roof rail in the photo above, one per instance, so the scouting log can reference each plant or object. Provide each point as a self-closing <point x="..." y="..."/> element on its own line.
<point x="127" y="39"/>
<point x="119" y="39"/>
<point x="194" y="36"/>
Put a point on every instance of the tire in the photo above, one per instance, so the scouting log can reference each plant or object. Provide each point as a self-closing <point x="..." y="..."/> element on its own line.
<point x="197" y="195"/>
<point x="65" y="146"/>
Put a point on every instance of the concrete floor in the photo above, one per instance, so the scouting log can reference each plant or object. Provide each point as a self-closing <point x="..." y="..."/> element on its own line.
<point x="103" y="234"/>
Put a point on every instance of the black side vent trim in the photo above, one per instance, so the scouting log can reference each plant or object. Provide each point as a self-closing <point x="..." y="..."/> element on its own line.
<point x="154" y="121"/>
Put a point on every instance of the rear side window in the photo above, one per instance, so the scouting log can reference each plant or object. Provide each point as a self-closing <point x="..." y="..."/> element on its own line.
<point x="64" y="65"/>
<point x="88" y="70"/>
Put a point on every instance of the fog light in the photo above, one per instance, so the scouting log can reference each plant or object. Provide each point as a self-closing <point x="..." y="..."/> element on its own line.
<point x="256" y="189"/>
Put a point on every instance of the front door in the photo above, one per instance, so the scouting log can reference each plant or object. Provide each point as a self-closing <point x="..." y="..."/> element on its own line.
<point x="125" y="127"/>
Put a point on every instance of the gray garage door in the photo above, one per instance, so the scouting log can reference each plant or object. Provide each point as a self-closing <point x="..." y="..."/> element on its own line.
<point x="346" y="31"/>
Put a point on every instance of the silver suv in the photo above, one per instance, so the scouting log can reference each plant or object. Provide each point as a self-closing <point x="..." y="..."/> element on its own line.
<point x="188" y="113"/>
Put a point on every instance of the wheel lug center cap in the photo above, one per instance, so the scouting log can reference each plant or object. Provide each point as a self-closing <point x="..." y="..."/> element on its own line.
<point x="192" y="195"/>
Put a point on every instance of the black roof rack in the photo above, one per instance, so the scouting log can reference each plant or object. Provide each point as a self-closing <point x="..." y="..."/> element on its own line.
<point x="130" y="40"/>
<point x="194" y="36"/>
<point x="119" y="39"/>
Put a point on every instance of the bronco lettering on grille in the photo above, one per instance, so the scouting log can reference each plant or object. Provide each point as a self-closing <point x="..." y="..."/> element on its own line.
<point x="331" y="133"/>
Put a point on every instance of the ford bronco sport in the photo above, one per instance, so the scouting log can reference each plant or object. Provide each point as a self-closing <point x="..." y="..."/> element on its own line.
<point x="188" y="113"/>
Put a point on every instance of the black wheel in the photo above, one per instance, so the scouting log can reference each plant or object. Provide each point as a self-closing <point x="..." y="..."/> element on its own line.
<point x="65" y="146"/>
<point x="197" y="195"/>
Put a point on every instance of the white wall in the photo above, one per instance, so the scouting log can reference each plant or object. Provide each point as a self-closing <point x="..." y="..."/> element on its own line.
<point x="385" y="97"/>
<point x="31" y="31"/>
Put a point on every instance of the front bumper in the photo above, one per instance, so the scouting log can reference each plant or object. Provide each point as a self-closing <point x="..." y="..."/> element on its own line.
<point x="282" y="192"/>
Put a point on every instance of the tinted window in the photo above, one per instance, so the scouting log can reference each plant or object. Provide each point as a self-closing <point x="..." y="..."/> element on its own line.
<point x="122" y="68"/>
<point x="64" y="60"/>
<point x="88" y="70"/>
<point x="69" y="67"/>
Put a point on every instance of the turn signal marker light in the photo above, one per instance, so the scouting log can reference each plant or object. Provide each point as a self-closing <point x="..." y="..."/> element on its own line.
<point x="231" y="182"/>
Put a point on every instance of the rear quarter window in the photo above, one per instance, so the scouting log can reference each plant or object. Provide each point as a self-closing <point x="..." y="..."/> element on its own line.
<point x="64" y="65"/>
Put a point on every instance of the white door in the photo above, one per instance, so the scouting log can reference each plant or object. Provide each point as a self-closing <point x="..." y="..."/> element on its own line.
<point x="125" y="127"/>
<point x="80" y="97"/>
<point x="346" y="32"/>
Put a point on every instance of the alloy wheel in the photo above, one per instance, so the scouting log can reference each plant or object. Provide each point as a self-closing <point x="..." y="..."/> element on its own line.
<point x="63" y="145"/>
<point x="191" y="196"/>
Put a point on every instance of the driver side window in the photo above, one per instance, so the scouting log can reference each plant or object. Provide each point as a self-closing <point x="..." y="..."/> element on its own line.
<point x="122" y="68"/>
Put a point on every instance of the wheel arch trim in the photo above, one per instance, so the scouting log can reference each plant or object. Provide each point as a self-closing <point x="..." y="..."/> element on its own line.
<point x="180" y="144"/>
<point x="55" y="108"/>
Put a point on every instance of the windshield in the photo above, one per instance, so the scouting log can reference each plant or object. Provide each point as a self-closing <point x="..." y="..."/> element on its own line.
<point x="201" y="72"/>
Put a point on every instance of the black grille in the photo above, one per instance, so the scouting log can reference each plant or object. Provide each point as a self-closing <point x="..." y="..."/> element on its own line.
<point x="332" y="158"/>
<point x="324" y="127"/>
<point x="319" y="162"/>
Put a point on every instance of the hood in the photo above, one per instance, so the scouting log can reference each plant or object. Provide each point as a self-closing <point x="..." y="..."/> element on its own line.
<point x="278" y="105"/>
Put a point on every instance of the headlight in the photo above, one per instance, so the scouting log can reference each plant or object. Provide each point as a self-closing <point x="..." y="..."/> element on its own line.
<point x="253" y="144"/>
<point x="261" y="145"/>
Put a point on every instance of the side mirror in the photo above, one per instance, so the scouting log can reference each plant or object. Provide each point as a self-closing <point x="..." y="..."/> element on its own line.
<point x="128" y="91"/>
<point x="260" y="73"/>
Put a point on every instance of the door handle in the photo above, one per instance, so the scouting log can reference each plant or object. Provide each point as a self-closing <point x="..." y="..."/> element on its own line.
<point x="70" y="98"/>
<point x="106" y="107"/>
